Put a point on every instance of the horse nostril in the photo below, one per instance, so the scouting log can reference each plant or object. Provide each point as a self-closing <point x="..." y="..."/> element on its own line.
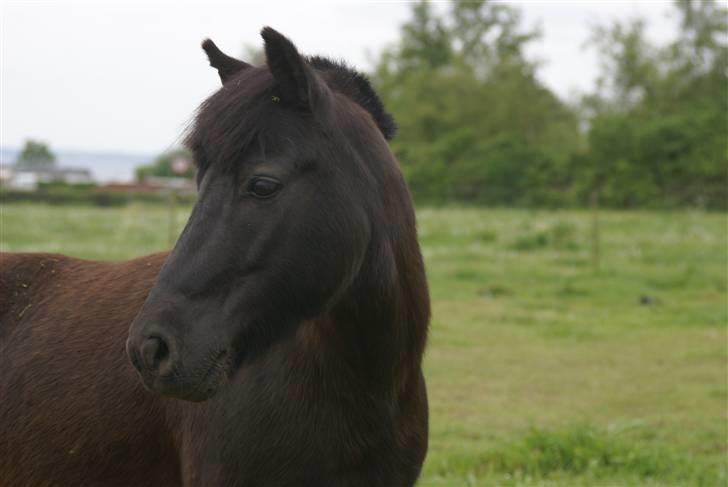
<point x="154" y="351"/>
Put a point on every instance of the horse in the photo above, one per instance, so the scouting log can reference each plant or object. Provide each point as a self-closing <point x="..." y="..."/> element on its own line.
<point x="280" y="341"/>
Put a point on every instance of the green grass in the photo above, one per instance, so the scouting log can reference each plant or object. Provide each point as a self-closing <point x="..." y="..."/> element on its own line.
<point x="540" y="370"/>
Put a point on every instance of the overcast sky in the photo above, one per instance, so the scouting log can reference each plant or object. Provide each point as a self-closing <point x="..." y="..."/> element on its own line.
<point x="126" y="76"/>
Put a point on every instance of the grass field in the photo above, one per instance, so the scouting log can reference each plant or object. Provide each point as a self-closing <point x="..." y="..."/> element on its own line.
<point x="540" y="370"/>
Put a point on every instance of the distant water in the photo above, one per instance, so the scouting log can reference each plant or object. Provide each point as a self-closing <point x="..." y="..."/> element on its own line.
<point x="104" y="166"/>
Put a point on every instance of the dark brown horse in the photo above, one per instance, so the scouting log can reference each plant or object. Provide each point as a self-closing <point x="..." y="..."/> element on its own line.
<point x="278" y="344"/>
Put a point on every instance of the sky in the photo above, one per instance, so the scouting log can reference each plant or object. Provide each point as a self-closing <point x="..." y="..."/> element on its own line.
<point x="127" y="76"/>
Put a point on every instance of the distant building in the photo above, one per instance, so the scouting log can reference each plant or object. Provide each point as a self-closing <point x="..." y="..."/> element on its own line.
<point x="6" y="173"/>
<point x="28" y="178"/>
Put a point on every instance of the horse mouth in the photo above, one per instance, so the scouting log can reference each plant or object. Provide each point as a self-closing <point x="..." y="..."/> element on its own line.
<point x="195" y="387"/>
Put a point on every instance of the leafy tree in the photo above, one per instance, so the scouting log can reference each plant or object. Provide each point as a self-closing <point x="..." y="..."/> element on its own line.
<point x="466" y="99"/>
<point x="35" y="154"/>
<point x="476" y="125"/>
<point x="253" y="55"/>
<point x="660" y="117"/>
<point x="425" y="43"/>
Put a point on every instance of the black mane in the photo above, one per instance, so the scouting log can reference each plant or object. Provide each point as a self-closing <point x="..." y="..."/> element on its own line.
<point x="356" y="85"/>
<point x="239" y="114"/>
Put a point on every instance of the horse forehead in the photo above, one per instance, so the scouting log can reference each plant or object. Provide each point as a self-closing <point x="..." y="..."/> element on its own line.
<point x="247" y="123"/>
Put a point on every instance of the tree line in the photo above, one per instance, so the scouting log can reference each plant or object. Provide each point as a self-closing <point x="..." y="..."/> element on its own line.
<point x="477" y="126"/>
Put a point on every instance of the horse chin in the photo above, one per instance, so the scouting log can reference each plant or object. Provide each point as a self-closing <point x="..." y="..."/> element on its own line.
<point x="187" y="388"/>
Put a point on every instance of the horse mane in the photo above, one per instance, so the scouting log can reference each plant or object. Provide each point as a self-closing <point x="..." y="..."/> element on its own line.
<point x="356" y="85"/>
<point x="237" y="114"/>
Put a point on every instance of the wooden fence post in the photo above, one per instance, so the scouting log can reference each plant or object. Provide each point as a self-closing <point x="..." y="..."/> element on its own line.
<point x="596" y="251"/>
<point x="172" y="217"/>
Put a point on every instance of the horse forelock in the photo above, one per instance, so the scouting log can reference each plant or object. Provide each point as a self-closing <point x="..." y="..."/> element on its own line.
<point x="246" y="111"/>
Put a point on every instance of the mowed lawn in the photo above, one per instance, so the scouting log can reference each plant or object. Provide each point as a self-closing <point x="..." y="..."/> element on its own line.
<point x="540" y="370"/>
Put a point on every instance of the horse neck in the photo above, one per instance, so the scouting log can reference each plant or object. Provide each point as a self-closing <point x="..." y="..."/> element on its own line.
<point x="381" y="322"/>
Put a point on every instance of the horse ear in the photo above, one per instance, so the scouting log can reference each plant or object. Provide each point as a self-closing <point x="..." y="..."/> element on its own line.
<point x="226" y="66"/>
<point x="297" y="81"/>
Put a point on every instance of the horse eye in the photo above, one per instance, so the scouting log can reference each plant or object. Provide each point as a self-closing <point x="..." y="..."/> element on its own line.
<point x="263" y="187"/>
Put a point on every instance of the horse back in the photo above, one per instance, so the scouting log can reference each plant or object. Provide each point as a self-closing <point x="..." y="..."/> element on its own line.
<point x="73" y="411"/>
<point x="46" y="293"/>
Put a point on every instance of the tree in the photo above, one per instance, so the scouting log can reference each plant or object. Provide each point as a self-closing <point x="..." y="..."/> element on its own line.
<point x="476" y="125"/>
<point x="253" y="55"/>
<point x="660" y="116"/>
<point x="35" y="154"/>
<point x="468" y="105"/>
